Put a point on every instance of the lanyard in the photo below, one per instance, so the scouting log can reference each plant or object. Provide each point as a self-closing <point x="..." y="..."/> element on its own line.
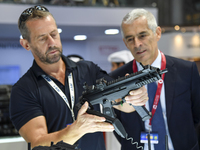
<point x="60" y="92"/>
<point x="159" y="87"/>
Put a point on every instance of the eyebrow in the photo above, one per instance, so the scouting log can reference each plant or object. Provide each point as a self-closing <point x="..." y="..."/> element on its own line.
<point x="126" y="37"/>
<point x="45" y="34"/>
<point x="40" y="36"/>
<point x="143" y="32"/>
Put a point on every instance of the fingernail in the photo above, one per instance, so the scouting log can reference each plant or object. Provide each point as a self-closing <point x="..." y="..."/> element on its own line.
<point x="126" y="98"/>
<point x="111" y="126"/>
<point x="85" y="104"/>
<point x="103" y="119"/>
<point x="131" y="93"/>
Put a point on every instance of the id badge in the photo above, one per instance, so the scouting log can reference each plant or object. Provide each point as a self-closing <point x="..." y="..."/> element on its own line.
<point x="153" y="137"/>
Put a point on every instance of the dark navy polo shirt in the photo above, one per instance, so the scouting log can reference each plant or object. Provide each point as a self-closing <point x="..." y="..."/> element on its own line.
<point x="32" y="96"/>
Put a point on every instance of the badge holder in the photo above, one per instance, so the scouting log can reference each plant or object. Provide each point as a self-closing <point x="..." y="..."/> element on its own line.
<point x="147" y="137"/>
<point x="152" y="137"/>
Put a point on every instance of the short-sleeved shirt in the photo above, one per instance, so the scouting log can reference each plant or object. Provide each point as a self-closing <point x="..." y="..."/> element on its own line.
<point x="32" y="96"/>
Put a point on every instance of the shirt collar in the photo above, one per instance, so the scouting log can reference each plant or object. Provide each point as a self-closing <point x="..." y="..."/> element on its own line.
<point x="156" y="63"/>
<point x="38" y="71"/>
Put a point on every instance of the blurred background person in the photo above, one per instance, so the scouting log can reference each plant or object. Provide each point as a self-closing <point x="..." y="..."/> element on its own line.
<point x="118" y="59"/>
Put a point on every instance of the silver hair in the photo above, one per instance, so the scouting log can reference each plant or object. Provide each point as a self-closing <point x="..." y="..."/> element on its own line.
<point x="137" y="13"/>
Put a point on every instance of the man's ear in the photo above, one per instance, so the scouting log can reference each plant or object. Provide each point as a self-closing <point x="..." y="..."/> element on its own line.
<point x="25" y="44"/>
<point x="158" y="33"/>
<point x="125" y="42"/>
<point x="121" y="64"/>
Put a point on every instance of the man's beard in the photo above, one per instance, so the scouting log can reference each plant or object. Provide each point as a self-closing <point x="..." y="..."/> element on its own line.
<point x="48" y="58"/>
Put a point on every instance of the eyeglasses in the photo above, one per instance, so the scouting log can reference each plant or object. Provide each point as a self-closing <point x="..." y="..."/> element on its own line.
<point x="26" y="13"/>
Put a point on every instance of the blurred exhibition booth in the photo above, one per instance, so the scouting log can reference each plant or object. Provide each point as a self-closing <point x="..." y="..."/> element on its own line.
<point x="90" y="18"/>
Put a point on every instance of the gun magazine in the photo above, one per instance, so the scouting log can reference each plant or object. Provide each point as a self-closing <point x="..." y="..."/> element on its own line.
<point x="132" y="142"/>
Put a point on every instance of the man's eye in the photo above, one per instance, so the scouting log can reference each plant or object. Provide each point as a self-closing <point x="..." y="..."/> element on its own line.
<point x="53" y="35"/>
<point x="143" y="35"/>
<point x="42" y="39"/>
<point x="130" y="39"/>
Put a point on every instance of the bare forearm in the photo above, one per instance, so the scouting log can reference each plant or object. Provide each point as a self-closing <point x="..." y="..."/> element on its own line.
<point x="35" y="131"/>
<point x="68" y="135"/>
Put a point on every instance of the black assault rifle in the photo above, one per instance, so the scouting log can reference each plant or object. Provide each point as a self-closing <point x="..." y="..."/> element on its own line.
<point x="105" y="93"/>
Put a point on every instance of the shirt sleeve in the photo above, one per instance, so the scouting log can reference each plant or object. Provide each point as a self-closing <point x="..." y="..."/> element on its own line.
<point x="23" y="105"/>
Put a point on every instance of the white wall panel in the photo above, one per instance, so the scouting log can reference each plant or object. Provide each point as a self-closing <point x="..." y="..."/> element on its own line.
<point x="86" y="16"/>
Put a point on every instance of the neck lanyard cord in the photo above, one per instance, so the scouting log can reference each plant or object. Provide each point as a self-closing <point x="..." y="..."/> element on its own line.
<point x="159" y="87"/>
<point x="60" y="92"/>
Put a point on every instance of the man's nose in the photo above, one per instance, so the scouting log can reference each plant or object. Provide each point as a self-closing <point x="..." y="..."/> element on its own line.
<point x="138" y="43"/>
<point x="51" y="41"/>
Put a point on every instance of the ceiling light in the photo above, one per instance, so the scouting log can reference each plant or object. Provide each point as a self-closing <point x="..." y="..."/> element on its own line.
<point x="80" y="37"/>
<point x="183" y="30"/>
<point x="59" y="30"/>
<point x="176" y="27"/>
<point x="178" y="42"/>
<point x="111" y="31"/>
<point x="154" y="4"/>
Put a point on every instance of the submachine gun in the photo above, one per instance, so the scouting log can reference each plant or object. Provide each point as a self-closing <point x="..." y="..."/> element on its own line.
<point x="105" y="93"/>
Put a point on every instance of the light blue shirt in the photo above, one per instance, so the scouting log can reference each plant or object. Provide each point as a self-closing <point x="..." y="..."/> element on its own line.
<point x="157" y="64"/>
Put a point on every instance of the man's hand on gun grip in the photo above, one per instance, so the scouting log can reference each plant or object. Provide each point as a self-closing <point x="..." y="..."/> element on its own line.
<point x="88" y="123"/>
<point x="137" y="97"/>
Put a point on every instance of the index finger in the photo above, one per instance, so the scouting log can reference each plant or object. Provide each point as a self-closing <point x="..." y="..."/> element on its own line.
<point x="83" y="109"/>
<point x="138" y="91"/>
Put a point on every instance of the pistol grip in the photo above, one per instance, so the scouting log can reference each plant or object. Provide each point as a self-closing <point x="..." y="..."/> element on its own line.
<point x="119" y="129"/>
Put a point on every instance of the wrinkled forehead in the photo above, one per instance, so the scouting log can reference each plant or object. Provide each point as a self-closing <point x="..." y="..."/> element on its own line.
<point x="41" y="26"/>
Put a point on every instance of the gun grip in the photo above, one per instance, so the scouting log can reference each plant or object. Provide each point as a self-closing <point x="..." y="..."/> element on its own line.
<point x="119" y="129"/>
